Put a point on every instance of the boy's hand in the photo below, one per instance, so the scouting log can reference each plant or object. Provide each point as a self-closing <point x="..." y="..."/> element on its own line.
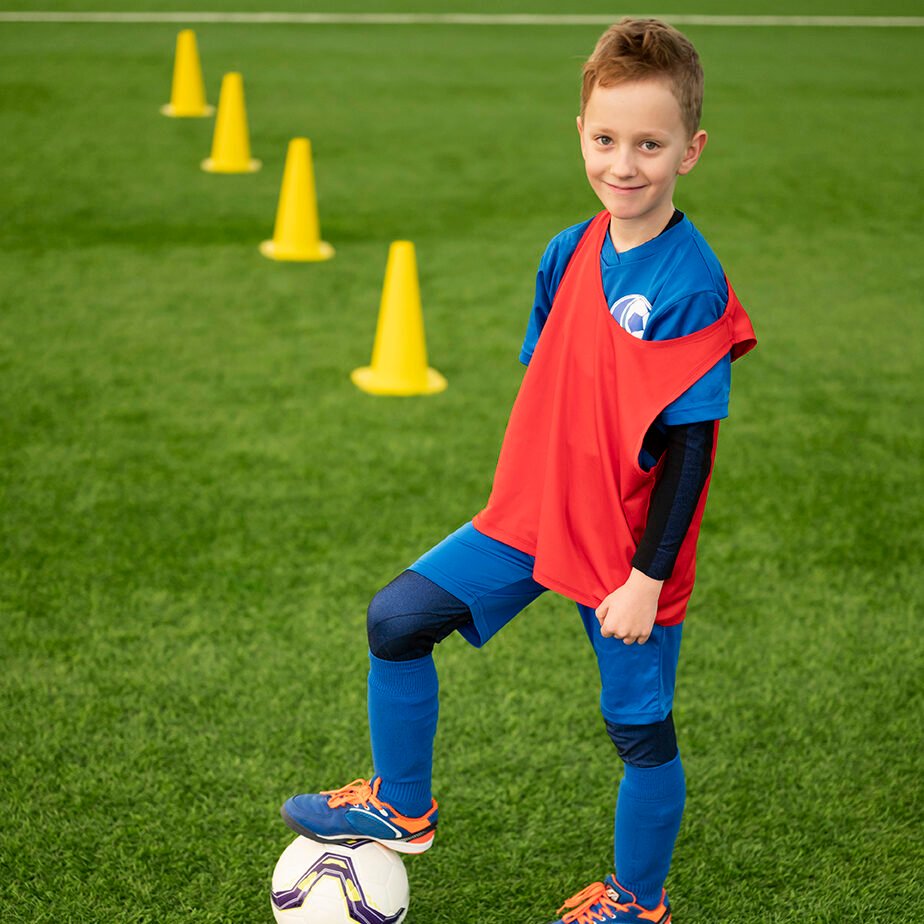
<point x="629" y="611"/>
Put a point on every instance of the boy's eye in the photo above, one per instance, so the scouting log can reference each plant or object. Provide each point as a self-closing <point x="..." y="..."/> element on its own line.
<point x="605" y="140"/>
<point x="650" y="145"/>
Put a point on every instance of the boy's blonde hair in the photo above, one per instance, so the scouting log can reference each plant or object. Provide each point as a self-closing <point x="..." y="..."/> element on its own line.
<point x="638" y="49"/>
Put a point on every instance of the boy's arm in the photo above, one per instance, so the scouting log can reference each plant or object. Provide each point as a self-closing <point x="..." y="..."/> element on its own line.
<point x="542" y="305"/>
<point x="552" y="267"/>
<point x="687" y="463"/>
<point x="629" y="611"/>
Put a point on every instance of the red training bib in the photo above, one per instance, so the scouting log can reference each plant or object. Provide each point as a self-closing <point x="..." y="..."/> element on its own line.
<point x="568" y="488"/>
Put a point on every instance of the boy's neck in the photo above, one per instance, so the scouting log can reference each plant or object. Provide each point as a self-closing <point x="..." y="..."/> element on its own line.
<point x="630" y="233"/>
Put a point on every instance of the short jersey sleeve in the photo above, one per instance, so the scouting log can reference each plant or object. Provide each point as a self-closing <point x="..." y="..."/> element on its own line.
<point x="552" y="267"/>
<point x="707" y="398"/>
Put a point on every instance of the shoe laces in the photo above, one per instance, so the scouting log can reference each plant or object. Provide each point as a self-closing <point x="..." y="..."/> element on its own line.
<point x="359" y="792"/>
<point x="590" y="905"/>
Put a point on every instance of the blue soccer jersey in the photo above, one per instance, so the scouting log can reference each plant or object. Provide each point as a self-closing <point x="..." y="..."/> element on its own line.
<point x="668" y="287"/>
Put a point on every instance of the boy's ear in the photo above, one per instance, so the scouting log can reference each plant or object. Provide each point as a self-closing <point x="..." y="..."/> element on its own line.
<point x="580" y="128"/>
<point x="694" y="149"/>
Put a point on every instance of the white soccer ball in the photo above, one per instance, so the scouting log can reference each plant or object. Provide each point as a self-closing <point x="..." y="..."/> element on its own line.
<point x="356" y="882"/>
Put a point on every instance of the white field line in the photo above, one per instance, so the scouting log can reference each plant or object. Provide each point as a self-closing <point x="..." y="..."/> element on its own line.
<point x="458" y="19"/>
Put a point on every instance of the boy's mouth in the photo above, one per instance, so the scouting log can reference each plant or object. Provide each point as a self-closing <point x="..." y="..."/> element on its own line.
<point x="624" y="189"/>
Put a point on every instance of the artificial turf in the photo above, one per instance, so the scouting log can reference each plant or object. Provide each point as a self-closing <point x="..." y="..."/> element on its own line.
<point x="197" y="504"/>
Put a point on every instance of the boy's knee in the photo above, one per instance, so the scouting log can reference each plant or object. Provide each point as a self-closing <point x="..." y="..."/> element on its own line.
<point x="645" y="745"/>
<point x="409" y="616"/>
<point x="385" y="625"/>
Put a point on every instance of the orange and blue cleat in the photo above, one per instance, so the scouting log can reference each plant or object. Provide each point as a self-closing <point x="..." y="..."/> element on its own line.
<point x="609" y="901"/>
<point x="355" y="813"/>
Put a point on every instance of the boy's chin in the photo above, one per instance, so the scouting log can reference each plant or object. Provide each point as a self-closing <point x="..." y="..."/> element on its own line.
<point x="624" y="214"/>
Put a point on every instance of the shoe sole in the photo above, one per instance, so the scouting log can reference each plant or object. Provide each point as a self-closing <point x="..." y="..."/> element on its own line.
<point x="400" y="845"/>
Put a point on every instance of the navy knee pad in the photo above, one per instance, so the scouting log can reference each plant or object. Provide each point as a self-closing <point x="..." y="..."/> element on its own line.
<point x="645" y="745"/>
<point x="411" y="615"/>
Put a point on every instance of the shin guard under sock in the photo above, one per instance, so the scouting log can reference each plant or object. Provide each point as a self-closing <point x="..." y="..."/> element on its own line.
<point x="403" y="710"/>
<point x="648" y="813"/>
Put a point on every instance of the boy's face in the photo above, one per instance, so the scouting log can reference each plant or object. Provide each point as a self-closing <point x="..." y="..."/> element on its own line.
<point x="635" y="145"/>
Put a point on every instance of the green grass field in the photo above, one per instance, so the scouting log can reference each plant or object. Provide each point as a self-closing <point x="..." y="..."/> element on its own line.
<point x="197" y="504"/>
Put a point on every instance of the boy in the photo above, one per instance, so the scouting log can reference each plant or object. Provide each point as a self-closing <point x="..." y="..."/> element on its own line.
<point x="600" y="486"/>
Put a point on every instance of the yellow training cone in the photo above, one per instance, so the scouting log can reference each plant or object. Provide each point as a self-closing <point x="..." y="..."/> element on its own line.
<point x="296" y="235"/>
<point x="399" y="356"/>
<point x="187" y="96"/>
<point x="231" y="141"/>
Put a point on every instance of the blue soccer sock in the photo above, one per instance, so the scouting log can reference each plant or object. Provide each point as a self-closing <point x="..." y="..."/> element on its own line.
<point x="648" y="813"/>
<point x="403" y="710"/>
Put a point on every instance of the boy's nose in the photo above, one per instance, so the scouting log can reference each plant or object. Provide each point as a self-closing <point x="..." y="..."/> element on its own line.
<point x="622" y="166"/>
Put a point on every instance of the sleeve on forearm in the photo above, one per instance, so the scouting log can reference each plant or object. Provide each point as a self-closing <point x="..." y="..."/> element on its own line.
<point x="687" y="462"/>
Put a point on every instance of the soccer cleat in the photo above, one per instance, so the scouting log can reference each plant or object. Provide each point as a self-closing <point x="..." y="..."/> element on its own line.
<point x="355" y="813"/>
<point x="609" y="901"/>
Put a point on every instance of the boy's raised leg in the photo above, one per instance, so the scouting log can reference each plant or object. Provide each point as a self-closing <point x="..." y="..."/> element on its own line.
<point x="395" y="807"/>
<point x="403" y="714"/>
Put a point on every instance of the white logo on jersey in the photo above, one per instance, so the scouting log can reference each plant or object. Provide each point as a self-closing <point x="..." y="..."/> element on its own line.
<point x="632" y="311"/>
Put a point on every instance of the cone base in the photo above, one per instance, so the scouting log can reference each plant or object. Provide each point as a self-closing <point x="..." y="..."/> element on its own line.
<point x="273" y="251"/>
<point x="367" y="380"/>
<point x="210" y="165"/>
<point x="170" y="110"/>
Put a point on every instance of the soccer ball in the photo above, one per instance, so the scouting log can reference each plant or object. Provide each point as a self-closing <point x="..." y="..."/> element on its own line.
<point x="351" y="882"/>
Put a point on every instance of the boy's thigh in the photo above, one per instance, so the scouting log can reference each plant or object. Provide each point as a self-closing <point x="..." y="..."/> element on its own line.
<point x="637" y="681"/>
<point x="494" y="580"/>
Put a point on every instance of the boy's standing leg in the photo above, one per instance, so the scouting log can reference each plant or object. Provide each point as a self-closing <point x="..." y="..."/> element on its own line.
<point x="636" y="699"/>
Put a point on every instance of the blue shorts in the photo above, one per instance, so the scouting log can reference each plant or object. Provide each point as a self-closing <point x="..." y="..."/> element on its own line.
<point x="496" y="582"/>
